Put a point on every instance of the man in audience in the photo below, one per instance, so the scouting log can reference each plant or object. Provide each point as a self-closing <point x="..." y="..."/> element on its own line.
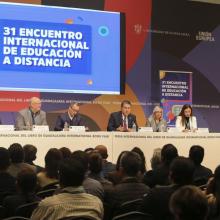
<point x="17" y="160"/>
<point x="33" y="115"/>
<point x="72" y="201"/>
<point x="95" y="170"/>
<point x="201" y="174"/>
<point x="160" y="176"/>
<point x="107" y="166"/>
<point x="7" y="182"/>
<point x="26" y="185"/>
<point x="90" y="185"/>
<point x="30" y="152"/>
<point x="69" y="118"/>
<point x="156" y="203"/>
<point x="189" y="203"/>
<point x="129" y="188"/>
<point x="122" y="120"/>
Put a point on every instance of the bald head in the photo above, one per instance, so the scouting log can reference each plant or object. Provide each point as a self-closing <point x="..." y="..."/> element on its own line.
<point x="102" y="150"/>
<point x="35" y="104"/>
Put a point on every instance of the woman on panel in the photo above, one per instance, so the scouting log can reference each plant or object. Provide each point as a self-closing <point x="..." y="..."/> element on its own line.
<point x="156" y="120"/>
<point x="186" y="121"/>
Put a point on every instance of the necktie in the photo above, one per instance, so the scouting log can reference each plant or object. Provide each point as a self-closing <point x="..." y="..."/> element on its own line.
<point x="125" y="123"/>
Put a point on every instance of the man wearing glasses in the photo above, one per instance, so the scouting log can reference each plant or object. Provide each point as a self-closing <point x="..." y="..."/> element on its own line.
<point x="69" y="118"/>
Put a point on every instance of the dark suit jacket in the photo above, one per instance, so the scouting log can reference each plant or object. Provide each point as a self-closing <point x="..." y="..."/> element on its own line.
<point x="116" y="121"/>
<point x="61" y="119"/>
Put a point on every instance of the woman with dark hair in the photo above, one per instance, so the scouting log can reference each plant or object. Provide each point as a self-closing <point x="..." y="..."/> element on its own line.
<point x="143" y="160"/>
<point x="116" y="176"/>
<point x="49" y="176"/>
<point x="186" y="121"/>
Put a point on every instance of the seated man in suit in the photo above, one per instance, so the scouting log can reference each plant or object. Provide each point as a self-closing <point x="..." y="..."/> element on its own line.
<point x="70" y="118"/>
<point x="122" y="120"/>
<point x="33" y="115"/>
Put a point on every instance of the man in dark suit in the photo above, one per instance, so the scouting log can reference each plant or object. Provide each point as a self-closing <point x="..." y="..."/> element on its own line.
<point x="70" y="118"/>
<point x="122" y="120"/>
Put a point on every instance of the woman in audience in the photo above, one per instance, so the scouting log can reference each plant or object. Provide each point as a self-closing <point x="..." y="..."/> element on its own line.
<point x="156" y="120"/>
<point x="48" y="178"/>
<point x="26" y="185"/>
<point x="116" y="176"/>
<point x="143" y="160"/>
<point x="155" y="163"/>
<point x="186" y="122"/>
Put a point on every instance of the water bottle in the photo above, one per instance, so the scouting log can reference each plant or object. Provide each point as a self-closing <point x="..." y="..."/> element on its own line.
<point x="66" y="127"/>
<point x="134" y="127"/>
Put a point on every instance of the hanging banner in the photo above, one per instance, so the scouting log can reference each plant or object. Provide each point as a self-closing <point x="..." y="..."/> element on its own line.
<point x="175" y="90"/>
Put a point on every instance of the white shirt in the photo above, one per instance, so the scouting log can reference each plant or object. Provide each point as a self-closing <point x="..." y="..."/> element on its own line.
<point x="192" y="123"/>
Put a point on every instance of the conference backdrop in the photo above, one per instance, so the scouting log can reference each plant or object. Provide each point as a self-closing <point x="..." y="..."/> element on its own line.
<point x="170" y="36"/>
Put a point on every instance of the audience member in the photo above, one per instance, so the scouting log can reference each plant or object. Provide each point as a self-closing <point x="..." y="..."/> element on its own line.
<point x="107" y="166"/>
<point x="161" y="173"/>
<point x="30" y="152"/>
<point x="156" y="202"/>
<point x="48" y="178"/>
<point x="213" y="195"/>
<point x="7" y="182"/>
<point x="95" y="169"/>
<point x="90" y="185"/>
<point x="155" y="163"/>
<point x="201" y="174"/>
<point x="26" y="185"/>
<point x="17" y="160"/>
<point x="189" y="203"/>
<point x="129" y="188"/>
<point x="66" y="152"/>
<point x="72" y="200"/>
<point x="116" y="176"/>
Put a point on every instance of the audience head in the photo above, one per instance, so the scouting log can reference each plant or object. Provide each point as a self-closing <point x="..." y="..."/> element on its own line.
<point x="52" y="162"/>
<point x="168" y="153"/>
<point x="35" y="104"/>
<point x="102" y="150"/>
<point x="89" y="150"/>
<point x="27" y="181"/>
<point x="130" y="164"/>
<point x="143" y="161"/>
<point x="126" y="107"/>
<point x="30" y="152"/>
<point x="181" y="171"/>
<point x="82" y="157"/>
<point x="95" y="163"/>
<point x="73" y="109"/>
<point x="71" y="172"/>
<point x="4" y="159"/>
<point x="16" y="153"/>
<point x="189" y="203"/>
<point x="196" y="154"/>
<point x="214" y="185"/>
<point x="65" y="152"/>
<point x="118" y="163"/>
<point x="156" y="158"/>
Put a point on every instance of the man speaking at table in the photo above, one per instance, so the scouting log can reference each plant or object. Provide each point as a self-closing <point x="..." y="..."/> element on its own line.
<point x="69" y="118"/>
<point x="123" y="120"/>
<point x="33" y="115"/>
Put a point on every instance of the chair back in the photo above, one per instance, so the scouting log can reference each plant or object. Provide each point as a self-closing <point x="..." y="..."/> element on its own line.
<point x="133" y="216"/>
<point x="45" y="193"/>
<point x="129" y="206"/>
<point x="26" y="209"/>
